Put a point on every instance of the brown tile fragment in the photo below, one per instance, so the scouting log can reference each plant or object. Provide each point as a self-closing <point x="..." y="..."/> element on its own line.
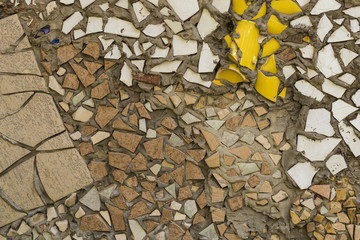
<point x="186" y="138"/>
<point x="148" y="78"/>
<point x="262" y="202"/>
<point x="127" y="140"/>
<point x="175" y="232"/>
<point x="69" y="127"/>
<point x="119" y="160"/>
<point x="217" y="194"/>
<point x="114" y="101"/>
<point x="184" y="193"/>
<point x="222" y="228"/>
<point x="120" y="124"/>
<point x="150" y="186"/>
<point x="197" y="154"/>
<point x="119" y="176"/>
<point x="238" y="185"/>
<point x="88" y="130"/>
<point x="217" y="214"/>
<point x="147" y="196"/>
<point x="287" y="55"/>
<point x="187" y="236"/>
<point x="178" y="175"/>
<point x="232" y="123"/>
<point x="263" y="124"/>
<point x="265" y="169"/>
<point x="193" y="172"/>
<point x="161" y="99"/>
<point x="47" y="67"/>
<point x="265" y="187"/>
<point x="201" y="200"/>
<point x="154" y="148"/>
<point x="231" y="173"/>
<point x="133" y="119"/>
<point x="71" y="81"/>
<point x="98" y="169"/>
<point x="92" y="67"/>
<point x="242" y="152"/>
<point x="257" y="157"/>
<point x="322" y="190"/>
<point x="85" y="148"/>
<point x="117" y="218"/>
<point x="139" y="163"/>
<point x="221" y="181"/>
<point x="139" y="209"/>
<point x="142" y="110"/>
<point x="92" y="49"/>
<point x="166" y="216"/>
<point x="228" y="160"/>
<point x="100" y="91"/>
<point x="104" y="115"/>
<point x="169" y="123"/>
<point x="85" y="77"/>
<point x="93" y="223"/>
<point x="179" y="88"/>
<point x="163" y="131"/>
<point x="108" y="64"/>
<point x="150" y="225"/>
<point x="165" y="178"/>
<point x="277" y="137"/>
<point x="128" y="193"/>
<point x="211" y="139"/>
<point x="66" y="53"/>
<point x="131" y="182"/>
<point x="198" y="219"/>
<point x="213" y="161"/>
<point x="260" y="110"/>
<point x="235" y="203"/>
<point x="248" y="121"/>
<point x="119" y="202"/>
<point x="175" y="154"/>
<point x="253" y="181"/>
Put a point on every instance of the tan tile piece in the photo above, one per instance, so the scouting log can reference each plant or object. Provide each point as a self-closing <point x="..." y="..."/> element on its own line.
<point x="18" y="185"/>
<point x="93" y="223"/>
<point x="322" y="190"/>
<point x="20" y="83"/>
<point x="187" y="236"/>
<point x="178" y="175"/>
<point x="85" y="77"/>
<point x="263" y="124"/>
<point x="253" y="181"/>
<point x="62" y="172"/>
<point x="221" y="181"/>
<point x="133" y="119"/>
<point x="277" y="137"/>
<point x="108" y="64"/>
<point x="213" y="161"/>
<point x="201" y="200"/>
<point x="10" y="153"/>
<point x="295" y="219"/>
<point x="47" y="67"/>
<point x="198" y="219"/>
<point x="257" y="157"/>
<point x="88" y="130"/>
<point x="117" y="218"/>
<point x="66" y="53"/>
<point x="193" y="172"/>
<point x="119" y="160"/>
<point x="8" y="214"/>
<point x="85" y="148"/>
<point x="211" y="139"/>
<point x="248" y="121"/>
<point x="174" y="154"/>
<point x="260" y="110"/>
<point x="175" y="232"/>
<point x="189" y="99"/>
<point x="232" y="123"/>
<point x="228" y="160"/>
<point x="20" y="62"/>
<point x="154" y="148"/>
<point x="92" y="49"/>
<point x="169" y="123"/>
<point x="265" y="187"/>
<point x="217" y="214"/>
<point x="238" y="185"/>
<point x="197" y="155"/>
<point x="98" y="170"/>
<point x="92" y="67"/>
<point x="71" y="81"/>
<point x="127" y="140"/>
<point x="100" y="91"/>
<point x="166" y="216"/>
<point x="146" y="195"/>
<point x="142" y="110"/>
<point x="119" y="202"/>
<point x="139" y="209"/>
<point x="275" y="158"/>
<point x="104" y="115"/>
<point x="184" y="193"/>
<point x="217" y="195"/>
<point x="10" y="31"/>
<point x="128" y="193"/>
<point x="150" y="186"/>
<point x="139" y="163"/>
<point x="242" y="152"/>
<point x="60" y="141"/>
<point x="235" y="203"/>
<point x="265" y="168"/>
<point x="119" y="176"/>
<point x="161" y="99"/>
<point x="120" y="124"/>
<point x="263" y="141"/>
<point x="150" y="225"/>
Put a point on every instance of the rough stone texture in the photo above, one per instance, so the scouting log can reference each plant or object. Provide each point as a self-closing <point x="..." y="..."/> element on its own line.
<point x="19" y="63"/>
<point x="10" y="153"/>
<point x="8" y="214"/>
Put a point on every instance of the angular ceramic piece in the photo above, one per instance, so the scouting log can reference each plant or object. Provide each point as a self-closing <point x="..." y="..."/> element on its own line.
<point x="333" y="89"/>
<point x="105" y="42"/>
<point x="123" y="4"/>
<point x="207" y="24"/>
<point x="347" y="56"/>
<point x="154" y="30"/>
<point x="306" y="89"/>
<point x="307" y="51"/>
<point x="316" y="150"/>
<point x="274" y="26"/>
<point x="301" y="22"/>
<point x="126" y="75"/>
<point x="302" y="2"/>
<point x="183" y="47"/>
<point x="354" y="12"/>
<point x="71" y="22"/>
<point x="356" y="98"/>
<point x="288" y="71"/>
<point x="160" y="52"/>
<point x="327" y="63"/>
<point x="94" y="25"/>
<point x="354" y="25"/>
<point x="336" y="163"/>
<point x="194" y="77"/>
<point x="141" y="11"/>
<point x="285" y="6"/>
<point x="341" y="109"/>
<point x="340" y="35"/>
<point x="114" y="53"/>
<point x="232" y="74"/>
<point x="325" y="6"/>
<point x="121" y="27"/>
<point x="302" y="174"/>
<point x="221" y="5"/>
<point x="318" y="120"/>
<point x="356" y="122"/>
<point x="207" y="60"/>
<point x="261" y="12"/>
<point x="269" y="65"/>
<point x="184" y="9"/>
<point x="347" y="78"/>
<point x="239" y="6"/>
<point x="324" y="27"/>
<point x="350" y="138"/>
<point x="167" y="67"/>
<point x="267" y="86"/>
<point x="270" y="47"/>
<point x="85" y="3"/>
<point x="174" y="25"/>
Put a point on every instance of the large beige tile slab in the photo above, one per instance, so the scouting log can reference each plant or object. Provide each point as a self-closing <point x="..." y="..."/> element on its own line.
<point x="11" y="103"/>
<point x="8" y="214"/>
<point x="21" y="83"/>
<point x="19" y="63"/>
<point x="10" y="32"/>
<point x="9" y="154"/>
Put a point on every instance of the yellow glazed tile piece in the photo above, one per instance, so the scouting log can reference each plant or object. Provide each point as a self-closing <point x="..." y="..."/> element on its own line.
<point x="232" y="55"/>
<point x="239" y="6"/>
<point x="270" y="65"/>
<point x="248" y="43"/>
<point x="232" y="74"/>
<point x="274" y="26"/>
<point x="261" y="12"/>
<point x="306" y="39"/>
<point x="270" y="47"/>
<point x="218" y="82"/>
<point x="267" y="86"/>
<point x="283" y="93"/>
<point x="228" y="40"/>
<point x="285" y="6"/>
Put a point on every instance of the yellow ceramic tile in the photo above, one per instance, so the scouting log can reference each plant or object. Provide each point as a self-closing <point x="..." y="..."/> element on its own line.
<point x="285" y="6"/>
<point x="232" y="74"/>
<point x="228" y="40"/>
<point x="232" y="55"/>
<point x="267" y="86"/>
<point x="274" y="26"/>
<point x="270" y="47"/>
<point x="248" y="43"/>
<point x="270" y="65"/>
<point x="239" y="6"/>
<point x="283" y="93"/>
<point x="306" y="39"/>
<point x="218" y="82"/>
<point x="261" y="12"/>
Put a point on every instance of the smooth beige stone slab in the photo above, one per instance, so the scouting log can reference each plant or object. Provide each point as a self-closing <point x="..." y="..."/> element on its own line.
<point x="10" y="32"/>
<point x="9" y="154"/>
<point x="59" y="142"/>
<point x="19" y="63"/>
<point x="18" y="184"/>
<point x="8" y="214"/>
<point x="11" y="103"/>
<point x="36" y="121"/>
<point x="62" y="172"/>
<point x="21" y="83"/>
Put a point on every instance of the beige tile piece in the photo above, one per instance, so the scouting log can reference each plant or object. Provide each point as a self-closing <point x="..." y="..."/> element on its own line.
<point x="11" y="31"/>
<point x="21" y="83"/>
<point x="10" y="153"/>
<point x="62" y="172"/>
<point x="8" y="214"/>
<point x="18" y="184"/>
<point x="20" y="62"/>
<point x="59" y="142"/>
<point x="36" y="121"/>
<point x="12" y="103"/>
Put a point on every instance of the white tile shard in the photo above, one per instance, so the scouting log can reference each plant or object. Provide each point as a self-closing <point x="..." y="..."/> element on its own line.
<point x="185" y="8"/>
<point x="174" y="25"/>
<point x="318" y="120"/>
<point x="78" y="33"/>
<point x="308" y="90"/>
<point x="114" y="53"/>
<point x="71" y="22"/>
<point x="354" y="12"/>
<point x="336" y="163"/>
<point x="347" y="56"/>
<point x="94" y="25"/>
<point x="123" y="4"/>
<point x="311" y="73"/>
<point x="215" y="124"/>
<point x="333" y="89"/>
<point x="324" y="27"/>
<point x="288" y="71"/>
<point x="340" y="35"/>
<point x="67" y="2"/>
<point x="207" y="24"/>
<point x="194" y="77"/>
<point x="85" y="3"/>
<point x="167" y="67"/>
<point x="350" y="138"/>
<point x="188" y="118"/>
<point x="141" y="11"/>
<point x="126" y="50"/>
<point x="55" y="86"/>
<point x="325" y="6"/>
<point x="208" y="60"/>
<point x="139" y="64"/>
<point x="301" y="22"/>
<point x="347" y="78"/>
<point x="184" y="47"/>
<point x="302" y="174"/>
<point x="356" y="98"/>
<point x="307" y="51"/>
<point x="316" y="150"/>
<point x="354" y="26"/>
<point x="339" y="21"/>
<point x="160" y="52"/>
<point x="154" y="30"/>
<point x="341" y="109"/>
<point x="126" y="75"/>
<point x="105" y="42"/>
<point x="221" y="5"/>
<point x="356" y="122"/>
<point x="121" y="27"/>
<point x="327" y="63"/>
<point x="155" y="2"/>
